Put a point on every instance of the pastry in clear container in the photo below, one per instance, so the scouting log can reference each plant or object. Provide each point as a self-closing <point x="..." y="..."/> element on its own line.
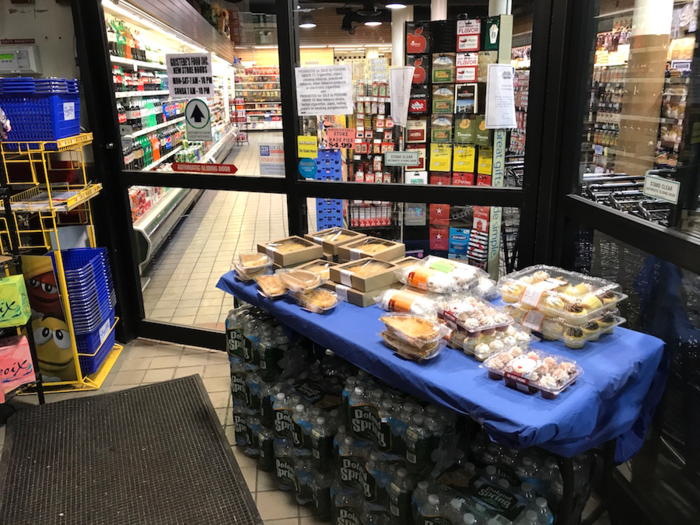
<point x="415" y="330"/>
<point x="407" y="301"/>
<point x="300" y="280"/>
<point x="425" y="279"/>
<point x="317" y="300"/>
<point x="271" y="286"/>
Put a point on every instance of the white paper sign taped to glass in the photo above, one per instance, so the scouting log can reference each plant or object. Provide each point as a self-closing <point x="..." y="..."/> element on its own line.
<point x="271" y="159"/>
<point x="324" y="90"/>
<point x="660" y="188"/>
<point x="401" y="158"/>
<point x="500" y="97"/>
<point x="190" y="75"/>
<point x="400" y="79"/>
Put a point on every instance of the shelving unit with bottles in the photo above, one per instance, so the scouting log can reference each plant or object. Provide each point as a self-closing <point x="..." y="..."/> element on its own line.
<point x="259" y="88"/>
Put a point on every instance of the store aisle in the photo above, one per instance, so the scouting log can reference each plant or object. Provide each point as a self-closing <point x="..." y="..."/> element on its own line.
<point x="180" y="284"/>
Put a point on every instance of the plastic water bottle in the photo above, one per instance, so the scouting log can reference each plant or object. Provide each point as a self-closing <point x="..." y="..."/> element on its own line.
<point x="304" y="481"/>
<point x="284" y="464"/>
<point x="374" y="515"/>
<point x="492" y="454"/>
<point x="322" y="494"/>
<point x="544" y="515"/>
<point x="268" y="391"/>
<point x="322" y="445"/>
<point x="419" y="499"/>
<point x="266" y="450"/>
<point x="400" y="492"/>
<point x="552" y="477"/>
<point x="239" y="395"/>
<point x="234" y="334"/>
<point x="252" y="429"/>
<point x="528" y="491"/>
<point x="491" y="474"/>
<point x="418" y="444"/>
<point x="239" y="425"/>
<point x="469" y="519"/>
<point x="455" y="512"/>
<point x="526" y="468"/>
<point x="379" y="470"/>
<point x="302" y="427"/>
<point x="348" y="505"/>
<point x="338" y="439"/>
<point x="432" y="508"/>
<point x="252" y="393"/>
<point x="350" y="384"/>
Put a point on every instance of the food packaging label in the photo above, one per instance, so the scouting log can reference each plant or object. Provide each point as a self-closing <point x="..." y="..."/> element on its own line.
<point x="346" y="277"/>
<point x="401" y="302"/>
<point x="342" y="292"/>
<point x="533" y="320"/>
<point x="418" y="278"/>
<point x="355" y="254"/>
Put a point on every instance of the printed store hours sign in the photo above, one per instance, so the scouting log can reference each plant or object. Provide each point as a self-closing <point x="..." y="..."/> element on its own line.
<point x="190" y="75"/>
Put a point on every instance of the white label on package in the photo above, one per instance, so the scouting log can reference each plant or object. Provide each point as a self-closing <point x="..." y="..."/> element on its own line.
<point x="190" y="75"/>
<point x="69" y="111"/>
<point x="346" y="277"/>
<point x="469" y="27"/>
<point x="324" y="90"/>
<point x="270" y="252"/>
<point x="342" y="292"/>
<point x="355" y="254"/>
<point x="318" y="240"/>
<point x="467" y="59"/>
<point x="533" y="320"/>
<point x="104" y="331"/>
<point x="533" y="292"/>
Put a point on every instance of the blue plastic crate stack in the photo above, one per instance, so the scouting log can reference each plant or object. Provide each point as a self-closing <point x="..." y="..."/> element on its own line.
<point x="329" y="212"/>
<point x="92" y="303"/>
<point x="359" y="451"/>
<point x="41" y="109"/>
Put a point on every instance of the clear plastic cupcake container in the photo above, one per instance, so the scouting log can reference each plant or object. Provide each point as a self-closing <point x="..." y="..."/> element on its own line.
<point x="472" y="315"/>
<point x="408" y="302"/>
<point x="484" y="346"/>
<point x="300" y="280"/>
<point x="574" y="336"/>
<point x="533" y="371"/>
<point x="574" y="297"/>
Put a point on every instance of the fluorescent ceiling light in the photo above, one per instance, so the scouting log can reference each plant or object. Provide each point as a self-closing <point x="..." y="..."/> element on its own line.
<point x="396" y="6"/>
<point x="373" y="23"/>
<point x="307" y="21"/>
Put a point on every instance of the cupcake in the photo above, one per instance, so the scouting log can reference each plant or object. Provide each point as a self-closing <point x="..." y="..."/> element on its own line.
<point x="592" y="304"/>
<point x="554" y="302"/>
<point x="482" y="351"/>
<point x="540" y="276"/>
<point x="607" y="323"/>
<point x="552" y="330"/>
<point x="608" y="299"/>
<point x="573" y="337"/>
<point x="583" y="288"/>
<point x="564" y="284"/>
<point x="523" y="339"/>
<point x="591" y="331"/>
<point x="510" y="293"/>
<point x="575" y="313"/>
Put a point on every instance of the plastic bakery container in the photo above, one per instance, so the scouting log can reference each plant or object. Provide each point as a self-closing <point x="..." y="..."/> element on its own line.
<point x="473" y="316"/>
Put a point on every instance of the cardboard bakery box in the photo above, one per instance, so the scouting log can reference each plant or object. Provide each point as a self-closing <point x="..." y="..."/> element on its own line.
<point x="332" y="238"/>
<point x="316" y="265"/>
<point x="364" y="275"/>
<point x="402" y="262"/>
<point x="291" y="251"/>
<point x="356" y="297"/>
<point x="374" y="247"/>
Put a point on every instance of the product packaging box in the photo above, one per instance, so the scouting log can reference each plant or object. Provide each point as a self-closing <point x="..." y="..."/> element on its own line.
<point x="364" y="275"/>
<point x="291" y="250"/>
<point x="374" y="247"/>
<point x="319" y="266"/>
<point x="356" y="297"/>
<point x="422" y="67"/>
<point x="465" y="129"/>
<point x="417" y="38"/>
<point x="443" y="68"/>
<point x="402" y="262"/>
<point x="459" y="243"/>
<point x="485" y="58"/>
<point x="483" y="136"/>
<point x="332" y="238"/>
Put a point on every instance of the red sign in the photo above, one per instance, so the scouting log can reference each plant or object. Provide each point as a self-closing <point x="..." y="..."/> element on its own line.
<point x="418" y="105"/>
<point x="204" y="168"/>
<point x="341" y="138"/>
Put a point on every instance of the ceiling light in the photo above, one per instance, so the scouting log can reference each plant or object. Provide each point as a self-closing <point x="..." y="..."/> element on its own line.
<point x="307" y="21"/>
<point x="396" y="6"/>
<point x="373" y="23"/>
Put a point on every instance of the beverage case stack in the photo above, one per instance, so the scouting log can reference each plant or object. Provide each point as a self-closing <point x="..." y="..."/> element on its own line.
<point x="360" y="451"/>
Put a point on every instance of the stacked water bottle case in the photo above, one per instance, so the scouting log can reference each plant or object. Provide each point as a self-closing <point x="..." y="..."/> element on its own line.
<point x="362" y="452"/>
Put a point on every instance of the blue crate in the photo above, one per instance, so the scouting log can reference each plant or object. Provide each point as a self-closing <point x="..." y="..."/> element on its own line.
<point x="40" y="109"/>
<point x="90" y="343"/>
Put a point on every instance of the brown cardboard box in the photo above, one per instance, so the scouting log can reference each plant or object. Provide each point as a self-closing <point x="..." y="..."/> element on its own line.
<point x="405" y="261"/>
<point x="324" y="238"/>
<point x="309" y="265"/>
<point x="330" y="257"/>
<point x="310" y="251"/>
<point x="356" y="297"/>
<point x="351" y="251"/>
<point x="385" y="277"/>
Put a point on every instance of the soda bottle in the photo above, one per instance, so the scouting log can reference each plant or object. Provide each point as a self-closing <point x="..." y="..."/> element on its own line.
<point x="419" y="498"/>
<point x="322" y="445"/>
<point x="418" y="446"/>
<point x="252" y="429"/>
<point x="400" y="491"/>
<point x="266" y="450"/>
<point x="284" y="464"/>
<point x="321" y="489"/>
<point x="111" y="39"/>
<point x="304" y="481"/>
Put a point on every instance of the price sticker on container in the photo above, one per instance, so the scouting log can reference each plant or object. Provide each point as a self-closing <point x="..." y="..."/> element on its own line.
<point x="533" y="320"/>
<point x="343" y="138"/>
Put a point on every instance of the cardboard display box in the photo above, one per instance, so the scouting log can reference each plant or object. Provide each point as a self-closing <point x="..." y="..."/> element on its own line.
<point x="353" y="251"/>
<point x="326" y="239"/>
<point x="308" y="252"/>
<point x="307" y="266"/>
<point x="385" y="277"/>
<point x="356" y="297"/>
<point x="402" y="262"/>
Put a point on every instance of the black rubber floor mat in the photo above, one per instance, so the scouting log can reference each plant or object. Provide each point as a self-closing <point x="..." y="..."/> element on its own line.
<point x="150" y="455"/>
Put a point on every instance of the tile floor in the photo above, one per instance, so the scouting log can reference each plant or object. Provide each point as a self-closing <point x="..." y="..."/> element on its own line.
<point x="181" y="282"/>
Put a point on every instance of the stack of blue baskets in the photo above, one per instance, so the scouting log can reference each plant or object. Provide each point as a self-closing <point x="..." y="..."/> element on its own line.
<point x="92" y="304"/>
<point x="41" y="109"/>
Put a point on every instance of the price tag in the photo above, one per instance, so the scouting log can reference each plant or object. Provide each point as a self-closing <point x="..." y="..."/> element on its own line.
<point x="341" y="138"/>
<point x="346" y="277"/>
<point x="533" y="320"/>
<point x="342" y="292"/>
<point x="532" y="295"/>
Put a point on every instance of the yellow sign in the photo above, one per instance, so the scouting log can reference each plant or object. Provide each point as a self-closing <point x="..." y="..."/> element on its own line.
<point x="308" y="147"/>
<point x="485" y="160"/>
<point x="464" y="159"/>
<point x="440" y="157"/>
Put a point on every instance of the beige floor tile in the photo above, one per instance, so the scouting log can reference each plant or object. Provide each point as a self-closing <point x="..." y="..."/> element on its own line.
<point x="266" y="481"/>
<point x="217" y="384"/>
<point x="313" y="521"/>
<point x="168" y="361"/>
<point x="188" y="371"/>
<point x="206" y="319"/>
<point x="211" y="302"/>
<point x="117" y="388"/>
<point x="221" y="414"/>
<point x="163" y="374"/>
<point x="276" y="505"/>
<point x="230" y="434"/>
<point x="307" y="510"/>
<point x="132" y="377"/>
<point x="185" y="320"/>
<point x="250" y="475"/>
<point x="217" y="370"/>
<point x="243" y="460"/>
<point x="198" y="359"/>
<point x="290" y="521"/>
<point x="190" y="310"/>
<point x="135" y="364"/>
<point x="210" y="310"/>
<point x="220" y="399"/>
<point x="188" y="303"/>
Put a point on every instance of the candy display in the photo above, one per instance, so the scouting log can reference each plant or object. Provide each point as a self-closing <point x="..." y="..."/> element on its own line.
<point x="534" y="371"/>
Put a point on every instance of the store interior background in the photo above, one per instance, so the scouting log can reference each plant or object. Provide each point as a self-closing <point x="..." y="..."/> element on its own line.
<point x="179" y="282"/>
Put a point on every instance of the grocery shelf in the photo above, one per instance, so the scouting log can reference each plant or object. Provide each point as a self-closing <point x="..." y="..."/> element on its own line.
<point x="64" y="198"/>
<point x="125" y="94"/>
<point x="261" y="89"/>
<point x="145" y="131"/>
<point x="251" y="83"/>
<point x="162" y="159"/>
<point x="137" y="63"/>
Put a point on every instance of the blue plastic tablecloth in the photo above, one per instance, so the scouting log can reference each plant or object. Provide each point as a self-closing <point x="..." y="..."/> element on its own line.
<point x="603" y="404"/>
